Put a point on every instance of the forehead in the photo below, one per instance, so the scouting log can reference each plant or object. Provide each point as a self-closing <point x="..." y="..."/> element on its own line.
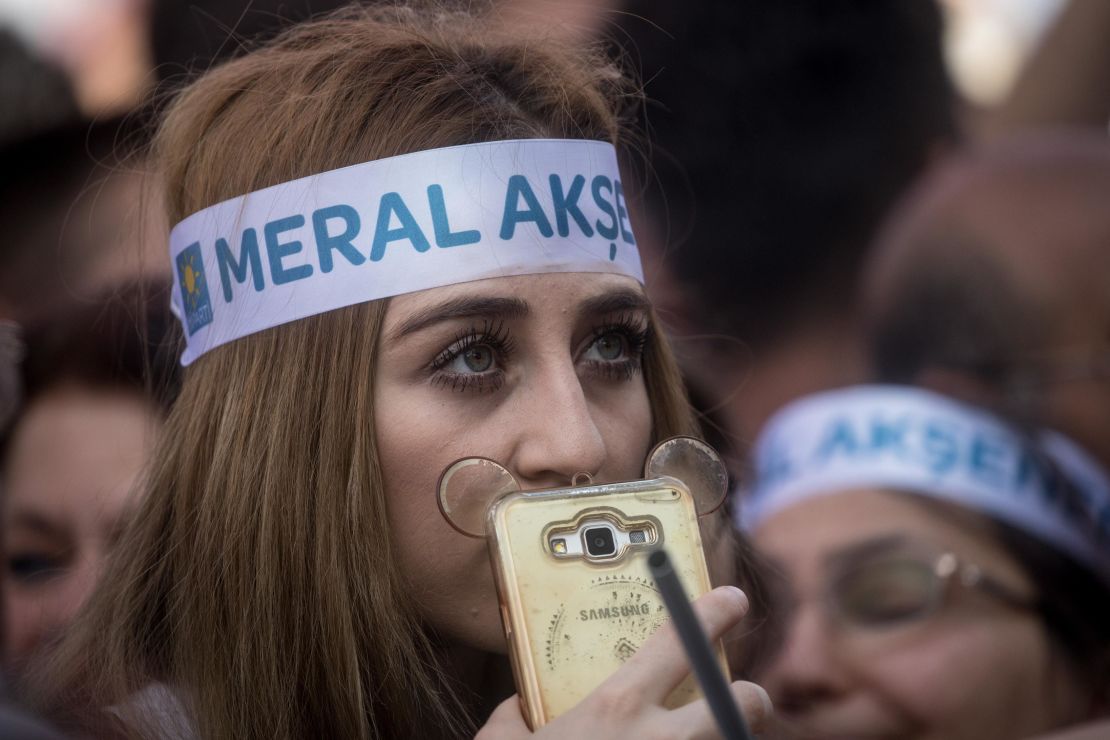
<point x="811" y="533"/>
<point x="76" y="453"/>
<point x="828" y="523"/>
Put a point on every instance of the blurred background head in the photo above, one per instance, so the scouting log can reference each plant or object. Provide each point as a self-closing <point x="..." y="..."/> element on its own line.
<point x="993" y="284"/>
<point x="187" y="37"/>
<point x="795" y="124"/>
<point x="97" y="382"/>
<point x="36" y="94"/>
<point x="78" y="214"/>
<point x="934" y="571"/>
<point x="780" y="134"/>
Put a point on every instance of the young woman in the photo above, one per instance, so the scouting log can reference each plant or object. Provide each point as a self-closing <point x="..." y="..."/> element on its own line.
<point x="943" y="575"/>
<point x="401" y="240"/>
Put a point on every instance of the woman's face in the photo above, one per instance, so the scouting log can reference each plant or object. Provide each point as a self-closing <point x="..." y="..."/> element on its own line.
<point x="541" y="373"/>
<point x="974" y="667"/>
<point x="73" y="459"/>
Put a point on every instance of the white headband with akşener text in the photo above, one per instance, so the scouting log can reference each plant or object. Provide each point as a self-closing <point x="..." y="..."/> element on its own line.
<point x="912" y="440"/>
<point x="398" y="225"/>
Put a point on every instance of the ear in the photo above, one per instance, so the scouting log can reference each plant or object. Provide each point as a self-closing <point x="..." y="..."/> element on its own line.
<point x="466" y="490"/>
<point x="696" y="464"/>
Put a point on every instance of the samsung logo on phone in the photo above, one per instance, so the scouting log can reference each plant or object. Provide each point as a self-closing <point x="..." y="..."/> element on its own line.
<point x="613" y="612"/>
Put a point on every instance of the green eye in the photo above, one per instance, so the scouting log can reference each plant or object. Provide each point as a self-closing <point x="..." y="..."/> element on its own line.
<point x="887" y="592"/>
<point x="478" y="359"/>
<point x="611" y="346"/>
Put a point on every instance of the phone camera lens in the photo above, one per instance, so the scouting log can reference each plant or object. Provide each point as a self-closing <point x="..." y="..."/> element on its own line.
<point x="600" y="542"/>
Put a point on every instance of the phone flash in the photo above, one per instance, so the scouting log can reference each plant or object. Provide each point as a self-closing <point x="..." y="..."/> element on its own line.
<point x="637" y="537"/>
<point x="559" y="546"/>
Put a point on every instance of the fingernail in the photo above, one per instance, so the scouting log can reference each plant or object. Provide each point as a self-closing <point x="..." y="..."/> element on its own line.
<point x="739" y="596"/>
<point x="768" y="708"/>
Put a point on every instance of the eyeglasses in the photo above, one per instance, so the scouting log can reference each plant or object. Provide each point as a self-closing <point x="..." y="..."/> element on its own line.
<point x="893" y="590"/>
<point x="897" y="589"/>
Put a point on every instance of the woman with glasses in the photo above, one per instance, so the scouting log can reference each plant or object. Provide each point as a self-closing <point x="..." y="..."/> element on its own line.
<point x="936" y="573"/>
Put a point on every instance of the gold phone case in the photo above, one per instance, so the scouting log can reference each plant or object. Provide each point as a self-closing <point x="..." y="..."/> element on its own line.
<point x="571" y="621"/>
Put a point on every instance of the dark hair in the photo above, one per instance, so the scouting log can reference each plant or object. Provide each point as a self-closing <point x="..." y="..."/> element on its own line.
<point x="48" y="184"/>
<point x="954" y="307"/>
<point x="971" y="283"/>
<point x="126" y="340"/>
<point x="1073" y="602"/>
<point x="1074" y="605"/>
<point x="783" y="131"/>
<point x="188" y="37"/>
<point x="36" y="94"/>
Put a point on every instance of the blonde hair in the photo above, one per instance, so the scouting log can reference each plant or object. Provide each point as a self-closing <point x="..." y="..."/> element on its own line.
<point x="255" y="582"/>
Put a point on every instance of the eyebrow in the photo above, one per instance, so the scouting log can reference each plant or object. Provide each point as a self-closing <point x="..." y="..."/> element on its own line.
<point x="513" y="308"/>
<point x="612" y="302"/>
<point x="36" y="523"/>
<point x="866" y="549"/>
<point x="462" y="308"/>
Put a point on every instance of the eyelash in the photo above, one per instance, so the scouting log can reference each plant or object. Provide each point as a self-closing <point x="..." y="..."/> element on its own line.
<point x="496" y="336"/>
<point x="636" y="334"/>
<point x="31" y="568"/>
<point x="492" y="335"/>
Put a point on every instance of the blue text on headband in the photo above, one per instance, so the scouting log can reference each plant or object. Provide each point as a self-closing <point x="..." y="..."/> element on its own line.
<point x="398" y="225"/>
<point x="913" y="440"/>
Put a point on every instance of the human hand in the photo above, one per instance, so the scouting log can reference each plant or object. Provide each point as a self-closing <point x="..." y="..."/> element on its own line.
<point x="630" y="702"/>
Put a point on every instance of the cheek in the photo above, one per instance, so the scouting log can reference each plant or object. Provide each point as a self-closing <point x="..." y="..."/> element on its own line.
<point x="625" y="423"/>
<point x="33" y="614"/>
<point x="447" y="575"/>
<point x="981" y="679"/>
<point x="23" y="624"/>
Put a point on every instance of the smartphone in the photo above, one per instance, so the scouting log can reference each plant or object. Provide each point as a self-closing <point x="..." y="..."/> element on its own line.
<point x="577" y="598"/>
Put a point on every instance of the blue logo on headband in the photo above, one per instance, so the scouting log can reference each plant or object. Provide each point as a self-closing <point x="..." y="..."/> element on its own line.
<point x="194" y="288"/>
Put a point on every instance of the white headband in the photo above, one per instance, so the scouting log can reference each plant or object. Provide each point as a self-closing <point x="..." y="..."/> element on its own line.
<point x="398" y="225"/>
<point x="920" y="442"/>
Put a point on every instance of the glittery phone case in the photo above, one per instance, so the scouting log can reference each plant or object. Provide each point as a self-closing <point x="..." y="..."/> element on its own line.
<point x="570" y="621"/>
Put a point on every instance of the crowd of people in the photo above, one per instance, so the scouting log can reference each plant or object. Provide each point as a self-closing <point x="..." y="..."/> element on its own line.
<point x="244" y="328"/>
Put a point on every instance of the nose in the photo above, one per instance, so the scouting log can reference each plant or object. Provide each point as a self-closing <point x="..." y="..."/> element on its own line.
<point x="559" y="435"/>
<point x="809" y="669"/>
